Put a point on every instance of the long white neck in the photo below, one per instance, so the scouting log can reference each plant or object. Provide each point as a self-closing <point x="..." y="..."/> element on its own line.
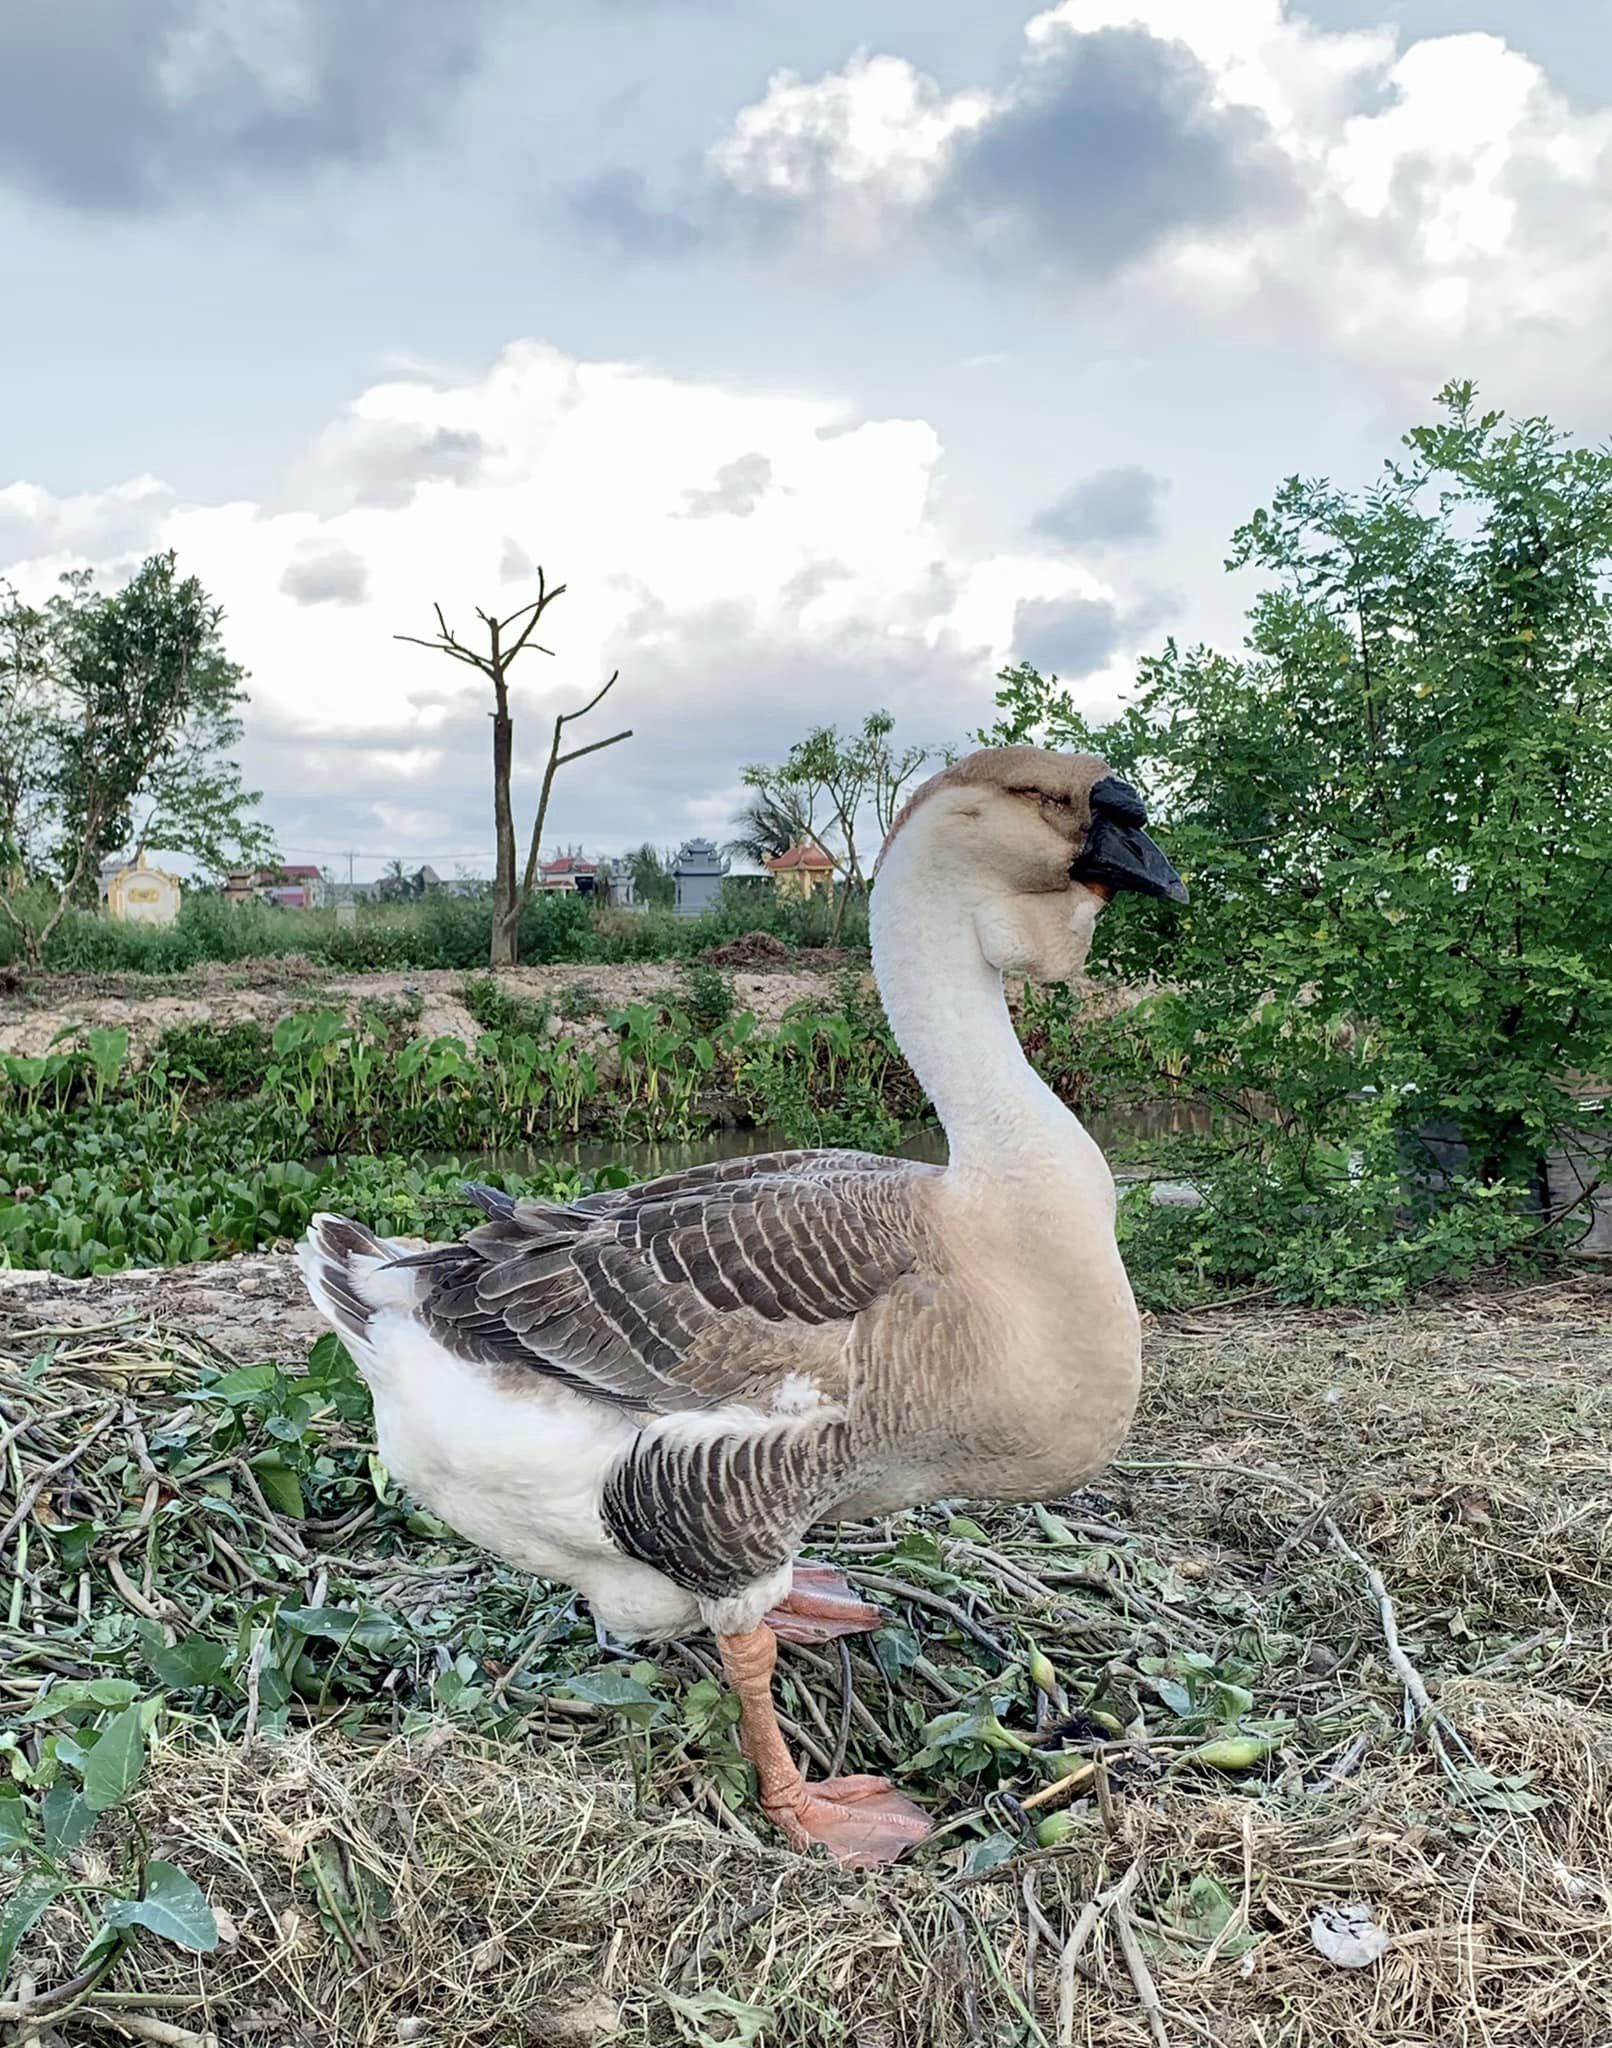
<point x="950" y="1017"/>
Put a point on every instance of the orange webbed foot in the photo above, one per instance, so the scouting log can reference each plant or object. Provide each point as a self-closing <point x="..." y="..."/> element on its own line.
<point x="862" y="1822"/>
<point x="819" y="1607"/>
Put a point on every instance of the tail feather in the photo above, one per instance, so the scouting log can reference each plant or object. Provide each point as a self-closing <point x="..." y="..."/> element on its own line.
<point x="350" y="1274"/>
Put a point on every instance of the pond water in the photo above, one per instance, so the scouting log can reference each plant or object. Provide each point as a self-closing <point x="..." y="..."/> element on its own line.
<point x="1118" y="1134"/>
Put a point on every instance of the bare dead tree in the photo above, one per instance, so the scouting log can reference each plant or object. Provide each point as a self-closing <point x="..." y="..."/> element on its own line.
<point x="507" y="638"/>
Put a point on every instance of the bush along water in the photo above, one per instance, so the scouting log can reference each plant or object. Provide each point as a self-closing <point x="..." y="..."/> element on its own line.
<point x="229" y="1138"/>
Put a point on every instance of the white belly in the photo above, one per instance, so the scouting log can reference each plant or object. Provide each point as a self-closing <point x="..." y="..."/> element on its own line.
<point x="516" y="1464"/>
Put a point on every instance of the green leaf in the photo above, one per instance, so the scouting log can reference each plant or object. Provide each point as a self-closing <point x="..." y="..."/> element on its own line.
<point x="78" y="1693"/>
<point x="15" y="1832"/>
<point x="113" y="1766"/>
<point x="69" y="1818"/>
<point x="608" y="1689"/>
<point x="895" y="1649"/>
<point x="74" y="1544"/>
<point x="193" y="1661"/>
<point x="713" y="2020"/>
<point x="35" y="1892"/>
<point x="988" y="1854"/>
<point x="249" y="1384"/>
<point x="368" y="1627"/>
<point x="281" y="1487"/>
<point x="174" y="1906"/>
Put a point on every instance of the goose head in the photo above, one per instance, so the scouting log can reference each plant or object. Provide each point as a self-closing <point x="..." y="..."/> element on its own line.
<point x="1032" y="845"/>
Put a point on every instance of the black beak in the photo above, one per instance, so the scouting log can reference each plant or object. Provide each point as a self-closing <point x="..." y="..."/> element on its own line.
<point x="1118" y="854"/>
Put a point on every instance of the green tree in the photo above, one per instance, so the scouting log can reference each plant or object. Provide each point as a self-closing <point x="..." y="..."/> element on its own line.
<point x="1395" y="806"/>
<point x="652" y="879"/>
<point x="123" y="711"/>
<point x="24" y="736"/>
<point x="846" y="776"/>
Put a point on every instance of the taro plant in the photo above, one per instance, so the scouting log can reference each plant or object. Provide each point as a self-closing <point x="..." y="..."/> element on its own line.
<point x="79" y="1753"/>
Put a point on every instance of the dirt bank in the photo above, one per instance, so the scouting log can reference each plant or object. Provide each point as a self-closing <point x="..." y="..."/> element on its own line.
<point x="35" y="1012"/>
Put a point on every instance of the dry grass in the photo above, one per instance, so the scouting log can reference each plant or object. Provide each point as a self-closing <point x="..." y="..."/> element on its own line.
<point x="463" y="1886"/>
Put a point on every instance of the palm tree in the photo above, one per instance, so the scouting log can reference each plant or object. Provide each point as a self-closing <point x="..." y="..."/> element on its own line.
<point x="651" y="878"/>
<point x="769" y="825"/>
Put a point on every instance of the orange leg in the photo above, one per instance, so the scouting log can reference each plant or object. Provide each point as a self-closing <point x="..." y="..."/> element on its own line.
<point x="861" y="1821"/>
<point x="820" y="1606"/>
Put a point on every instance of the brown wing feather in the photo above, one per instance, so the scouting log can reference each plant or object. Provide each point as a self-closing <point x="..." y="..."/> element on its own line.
<point x="679" y="1293"/>
<point x="716" y="1514"/>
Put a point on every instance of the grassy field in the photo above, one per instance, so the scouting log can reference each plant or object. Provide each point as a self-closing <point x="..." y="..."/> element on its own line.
<point x="1373" y="1554"/>
<point x="437" y="932"/>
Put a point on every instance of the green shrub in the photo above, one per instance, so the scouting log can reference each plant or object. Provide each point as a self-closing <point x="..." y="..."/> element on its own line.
<point x="707" y="996"/>
<point x="497" y="1008"/>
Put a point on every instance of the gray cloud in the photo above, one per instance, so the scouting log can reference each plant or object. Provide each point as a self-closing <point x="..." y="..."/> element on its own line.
<point x="122" y="109"/>
<point x="514" y="564"/>
<point x="740" y="486"/>
<point x="1104" y="509"/>
<point x="1111" y="146"/>
<point x="1066" y="636"/>
<point x="616" y="206"/>
<point x="1104" y="149"/>
<point x="326" y="573"/>
<point x="387" y="460"/>
<point x="1076" y="636"/>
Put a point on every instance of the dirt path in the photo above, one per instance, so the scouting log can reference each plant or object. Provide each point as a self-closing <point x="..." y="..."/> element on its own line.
<point x="34" y="1013"/>
<point x="255" y="1309"/>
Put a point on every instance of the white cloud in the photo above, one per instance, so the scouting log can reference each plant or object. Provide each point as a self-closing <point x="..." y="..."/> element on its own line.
<point x="1442" y="209"/>
<point x="831" y="590"/>
<point x="857" y="142"/>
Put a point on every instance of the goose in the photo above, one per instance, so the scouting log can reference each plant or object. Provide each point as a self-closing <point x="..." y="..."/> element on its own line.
<point x="654" y="1393"/>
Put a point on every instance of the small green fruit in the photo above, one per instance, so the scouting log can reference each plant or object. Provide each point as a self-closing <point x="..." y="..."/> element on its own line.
<point x="1230" y="1752"/>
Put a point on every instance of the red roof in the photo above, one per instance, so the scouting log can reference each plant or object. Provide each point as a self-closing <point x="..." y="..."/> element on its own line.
<point x="570" y="864"/>
<point x="800" y="857"/>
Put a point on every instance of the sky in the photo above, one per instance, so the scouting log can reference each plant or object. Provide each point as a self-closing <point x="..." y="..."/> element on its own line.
<point x="832" y="355"/>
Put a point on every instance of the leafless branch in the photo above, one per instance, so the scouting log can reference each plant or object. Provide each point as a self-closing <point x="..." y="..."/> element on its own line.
<point x="576" y="753"/>
<point x="450" y="647"/>
<point x="594" y="702"/>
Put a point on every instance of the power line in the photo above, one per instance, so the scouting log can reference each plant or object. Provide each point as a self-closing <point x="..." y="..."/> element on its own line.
<point x="356" y="853"/>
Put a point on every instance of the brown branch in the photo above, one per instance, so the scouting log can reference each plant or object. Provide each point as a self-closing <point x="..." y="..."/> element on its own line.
<point x="557" y="761"/>
<point x="540" y="604"/>
<point x="576" y="753"/>
<point x="593" y="702"/>
<point x="455" y="648"/>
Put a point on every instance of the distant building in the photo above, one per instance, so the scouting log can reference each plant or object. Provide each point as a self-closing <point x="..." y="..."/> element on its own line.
<point x="408" y="888"/>
<point x="801" y="872"/>
<point x="607" y="881"/>
<point x="568" y="873"/>
<point x="291" y="886"/>
<point x="698" y="872"/>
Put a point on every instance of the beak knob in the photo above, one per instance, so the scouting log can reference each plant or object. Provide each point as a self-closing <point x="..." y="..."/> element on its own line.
<point x="1118" y="854"/>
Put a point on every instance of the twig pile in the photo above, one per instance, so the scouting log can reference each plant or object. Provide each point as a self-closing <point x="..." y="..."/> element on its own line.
<point x="1345" y="1520"/>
